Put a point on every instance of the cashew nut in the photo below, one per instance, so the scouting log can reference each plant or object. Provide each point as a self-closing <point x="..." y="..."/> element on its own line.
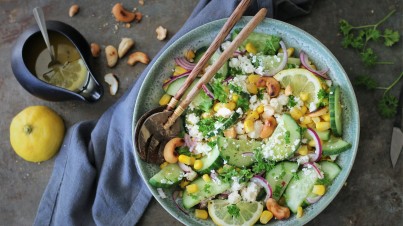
<point x="279" y="212"/>
<point x="112" y="82"/>
<point x="161" y="33"/>
<point x="269" y="126"/>
<point x="272" y="87"/>
<point x="170" y="155"/>
<point x="124" y="46"/>
<point x="73" y="10"/>
<point x="121" y="14"/>
<point x="288" y="90"/>
<point x="111" y="55"/>
<point x="230" y="133"/>
<point x="95" y="49"/>
<point x="138" y="57"/>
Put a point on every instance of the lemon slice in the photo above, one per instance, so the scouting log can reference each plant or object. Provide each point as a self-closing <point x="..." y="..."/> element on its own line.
<point x="71" y="75"/>
<point x="301" y="80"/>
<point x="246" y="213"/>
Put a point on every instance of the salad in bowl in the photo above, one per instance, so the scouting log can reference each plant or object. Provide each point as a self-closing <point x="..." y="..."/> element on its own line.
<point x="261" y="142"/>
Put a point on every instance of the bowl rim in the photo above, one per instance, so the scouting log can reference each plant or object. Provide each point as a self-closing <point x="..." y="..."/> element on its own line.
<point x="241" y="23"/>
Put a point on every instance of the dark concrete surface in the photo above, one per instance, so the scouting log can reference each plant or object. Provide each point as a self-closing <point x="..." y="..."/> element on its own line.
<point x="373" y="194"/>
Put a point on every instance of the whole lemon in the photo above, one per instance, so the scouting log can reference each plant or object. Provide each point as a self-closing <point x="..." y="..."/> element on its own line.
<point x="36" y="133"/>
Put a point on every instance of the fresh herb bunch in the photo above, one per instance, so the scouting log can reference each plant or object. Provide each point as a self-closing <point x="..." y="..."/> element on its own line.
<point x="358" y="37"/>
<point x="387" y="106"/>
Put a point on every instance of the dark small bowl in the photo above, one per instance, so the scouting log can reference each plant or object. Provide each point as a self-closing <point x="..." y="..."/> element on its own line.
<point x="91" y="92"/>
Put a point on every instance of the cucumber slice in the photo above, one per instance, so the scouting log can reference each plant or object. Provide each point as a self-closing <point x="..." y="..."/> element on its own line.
<point x="330" y="169"/>
<point x="323" y="135"/>
<point x="334" y="146"/>
<point x="299" y="188"/>
<point x="294" y="61"/>
<point x="223" y="72"/>
<point x="167" y="176"/>
<point x="225" y="125"/>
<point x="201" y="100"/>
<point x="335" y="110"/>
<point x="233" y="151"/>
<point x="280" y="176"/>
<point x="211" y="161"/>
<point x="284" y="141"/>
<point x="205" y="191"/>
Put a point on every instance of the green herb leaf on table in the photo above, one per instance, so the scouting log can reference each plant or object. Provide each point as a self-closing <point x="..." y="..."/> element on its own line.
<point x="366" y="82"/>
<point x="391" y="37"/>
<point x="387" y="106"/>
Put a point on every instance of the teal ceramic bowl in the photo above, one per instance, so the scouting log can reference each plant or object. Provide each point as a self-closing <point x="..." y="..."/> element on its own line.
<point x="151" y="91"/>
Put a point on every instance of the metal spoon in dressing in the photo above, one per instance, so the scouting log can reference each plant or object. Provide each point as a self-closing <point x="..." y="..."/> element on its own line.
<point x="40" y="20"/>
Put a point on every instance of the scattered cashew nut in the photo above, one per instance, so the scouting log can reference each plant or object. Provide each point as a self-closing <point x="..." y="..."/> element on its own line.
<point x="121" y="14"/>
<point x="138" y="57"/>
<point x="73" y="10"/>
<point x="279" y="212"/>
<point x="161" y="33"/>
<point x="170" y="155"/>
<point x="111" y="55"/>
<point x="95" y="49"/>
<point x="138" y="16"/>
<point x="112" y="82"/>
<point x="124" y="46"/>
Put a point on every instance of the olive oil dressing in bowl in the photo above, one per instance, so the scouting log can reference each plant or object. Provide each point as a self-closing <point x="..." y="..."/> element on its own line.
<point x="72" y="79"/>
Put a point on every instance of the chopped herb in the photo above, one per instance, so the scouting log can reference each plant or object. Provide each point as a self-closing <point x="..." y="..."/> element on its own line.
<point x="287" y="137"/>
<point x="212" y="144"/>
<point x="272" y="45"/>
<point x="261" y="165"/>
<point x="291" y="101"/>
<point x="184" y="151"/>
<point x="322" y="94"/>
<point x="235" y="71"/>
<point x="193" y="196"/>
<point x="325" y="180"/>
<point x="277" y="190"/>
<point x="219" y="91"/>
<point x="295" y="176"/>
<point x="207" y="125"/>
<point x="207" y="188"/>
<point x="260" y="94"/>
<point x="229" y="172"/>
<point x="233" y="210"/>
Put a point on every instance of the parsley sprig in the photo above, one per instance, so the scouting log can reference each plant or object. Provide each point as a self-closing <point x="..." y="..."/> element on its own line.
<point x="387" y="106"/>
<point x="358" y="37"/>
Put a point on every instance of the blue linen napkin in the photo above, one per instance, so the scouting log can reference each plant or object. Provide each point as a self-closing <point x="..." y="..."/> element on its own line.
<point x="95" y="179"/>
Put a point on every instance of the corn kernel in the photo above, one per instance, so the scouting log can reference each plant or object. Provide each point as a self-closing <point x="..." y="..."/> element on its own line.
<point x="179" y="70"/>
<point x="252" y="88"/>
<point x="260" y="109"/>
<point x="184" y="183"/>
<point x="198" y="156"/>
<point x="300" y="212"/>
<point x="266" y="216"/>
<point x="303" y="150"/>
<point x="230" y="105"/>
<point x="306" y="120"/>
<point x="206" y="178"/>
<point x="288" y="90"/>
<point x="252" y="115"/>
<point x="304" y="96"/>
<point x="235" y="97"/>
<point x="250" y="48"/>
<point x="185" y="159"/>
<point x="165" y="99"/>
<point x="248" y="125"/>
<point x="312" y="143"/>
<point x="201" y="214"/>
<point x="296" y="114"/>
<point x="304" y="109"/>
<point x="322" y="126"/>
<point x="163" y="165"/>
<point x="319" y="189"/>
<point x="190" y="55"/>
<point x="217" y="106"/>
<point x="290" y="51"/>
<point x="192" y="188"/>
<point x="198" y="164"/>
<point x="253" y="78"/>
<point x="326" y="117"/>
<point x="311" y="125"/>
<point x="315" y="119"/>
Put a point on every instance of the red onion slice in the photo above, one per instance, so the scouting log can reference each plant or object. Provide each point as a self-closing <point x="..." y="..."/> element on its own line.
<point x="181" y="61"/>
<point x="174" y="78"/>
<point x="312" y="200"/>
<point x="317" y="170"/>
<point x="263" y="183"/>
<point x="207" y="91"/>
<point x="318" y="146"/>
<point x="185" y="167"/>
<point x="176" y="200"/>
<point x="304" y="60"/>
<point x="283" y="62"/>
